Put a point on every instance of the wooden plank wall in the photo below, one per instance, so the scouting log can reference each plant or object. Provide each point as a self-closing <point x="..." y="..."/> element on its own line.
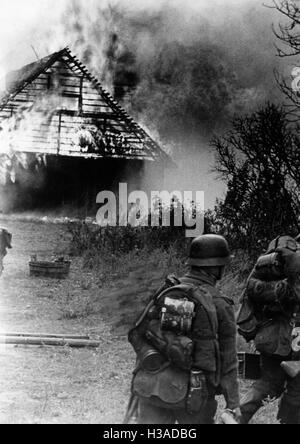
<point x="61" y="101"/>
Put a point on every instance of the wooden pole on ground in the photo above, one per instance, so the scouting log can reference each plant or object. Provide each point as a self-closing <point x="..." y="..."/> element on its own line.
<point x="56" y="342"/>
<point x="45" y="335"/>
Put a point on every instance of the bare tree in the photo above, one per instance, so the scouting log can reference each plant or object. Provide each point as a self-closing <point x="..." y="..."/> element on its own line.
<point x="288" y="34"/>
<point x="260" y="161"/>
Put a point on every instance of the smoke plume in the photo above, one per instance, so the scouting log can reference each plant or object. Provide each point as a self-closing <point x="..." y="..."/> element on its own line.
<point x="183" y="69"/>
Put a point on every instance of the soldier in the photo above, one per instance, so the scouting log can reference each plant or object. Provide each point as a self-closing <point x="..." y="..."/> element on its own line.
<point x="270" y="319"/>
<point x="5" y="243"/>
<point x="186" y="344"/>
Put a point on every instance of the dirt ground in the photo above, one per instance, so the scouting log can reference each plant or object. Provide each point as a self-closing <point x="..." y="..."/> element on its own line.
<point x="47" y="384"/>
<point x="62" y="385"/>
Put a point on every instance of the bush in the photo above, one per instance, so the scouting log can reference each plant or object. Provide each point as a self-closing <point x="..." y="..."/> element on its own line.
<point x="123" y="240"/>
<point x="113" y="251"/>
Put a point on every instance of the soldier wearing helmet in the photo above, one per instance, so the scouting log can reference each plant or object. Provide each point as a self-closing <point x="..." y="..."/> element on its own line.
<point x="5" y="243"/>
<point x="272" y="320"/>
<point x="197" y="359"/>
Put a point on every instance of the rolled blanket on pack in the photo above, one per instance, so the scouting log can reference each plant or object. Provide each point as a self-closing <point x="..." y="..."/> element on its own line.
<point x="268" y="292"/>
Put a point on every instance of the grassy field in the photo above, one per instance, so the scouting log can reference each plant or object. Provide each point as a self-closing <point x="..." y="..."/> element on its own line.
<point x="62" y="385"/>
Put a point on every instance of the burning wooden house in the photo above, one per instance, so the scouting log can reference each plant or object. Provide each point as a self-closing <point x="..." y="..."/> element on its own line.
<point x="63" y="138"/>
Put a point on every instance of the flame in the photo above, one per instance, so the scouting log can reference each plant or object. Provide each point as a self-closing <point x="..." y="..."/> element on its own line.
<point x="19" y="127"/>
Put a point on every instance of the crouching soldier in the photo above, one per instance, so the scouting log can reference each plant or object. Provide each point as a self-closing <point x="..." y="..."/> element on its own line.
<point x="270" y="316"/>
<point x="185" y="343"/>
<point x="5" y="243"/>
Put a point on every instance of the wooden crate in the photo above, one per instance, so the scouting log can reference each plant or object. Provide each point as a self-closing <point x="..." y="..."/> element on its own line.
<point x="249" y="366"/>
<point x="55" y="270"/>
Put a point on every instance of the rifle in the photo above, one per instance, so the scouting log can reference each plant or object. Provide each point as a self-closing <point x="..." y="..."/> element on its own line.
<point x="131" y="409"/>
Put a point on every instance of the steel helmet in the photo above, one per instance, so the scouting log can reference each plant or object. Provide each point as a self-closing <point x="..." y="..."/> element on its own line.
<point x="209" y="250"/>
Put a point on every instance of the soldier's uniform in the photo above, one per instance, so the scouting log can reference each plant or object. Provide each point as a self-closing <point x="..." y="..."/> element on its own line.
<point x="214" y="355"/>
<point x="5" y="243"/>
<point x="274" y="381"/>
<point x="273" y="340"/>
<point x="221" y="371"/>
